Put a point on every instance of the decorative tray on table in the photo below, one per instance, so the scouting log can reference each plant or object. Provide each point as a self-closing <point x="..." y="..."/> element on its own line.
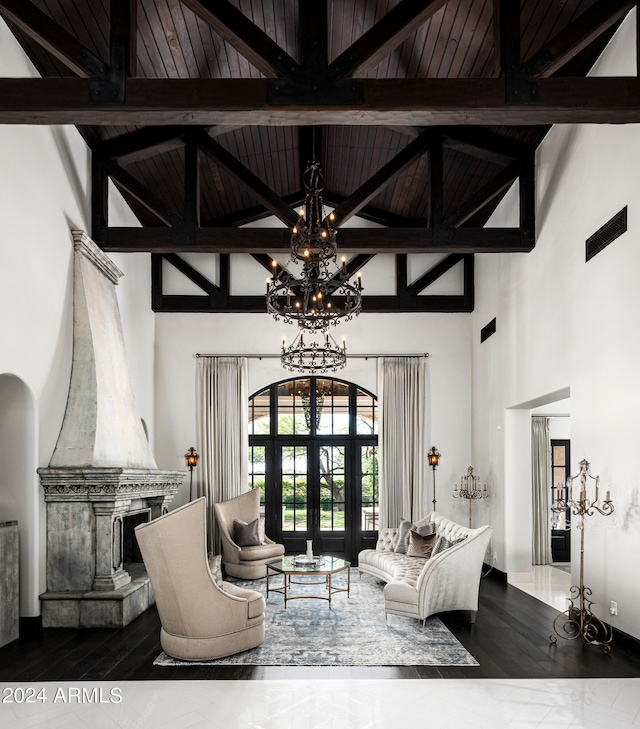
<point x="302" y="560"/>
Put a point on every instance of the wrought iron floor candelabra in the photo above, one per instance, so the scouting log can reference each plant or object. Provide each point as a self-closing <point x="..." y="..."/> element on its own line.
<point x="578" y="619"/>
<point x="470" y="489"/>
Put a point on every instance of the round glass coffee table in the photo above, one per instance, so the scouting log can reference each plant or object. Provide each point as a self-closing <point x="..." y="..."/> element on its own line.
<point x="325" y="567"/>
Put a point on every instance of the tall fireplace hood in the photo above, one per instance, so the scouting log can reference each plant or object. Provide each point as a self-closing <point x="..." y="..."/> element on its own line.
<point x="102" y="425"/>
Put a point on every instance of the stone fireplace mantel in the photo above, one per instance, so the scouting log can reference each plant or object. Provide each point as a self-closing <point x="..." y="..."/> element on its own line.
<point x="87" y="580"/>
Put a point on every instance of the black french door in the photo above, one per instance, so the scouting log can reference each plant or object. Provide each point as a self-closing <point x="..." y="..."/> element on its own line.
<point x="313" y="481"/>
<point x="313" y="454"/>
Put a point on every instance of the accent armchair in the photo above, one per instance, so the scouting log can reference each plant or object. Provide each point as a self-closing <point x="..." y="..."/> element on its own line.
<point x="247" y="562"/>
<point x="201" y="620"/>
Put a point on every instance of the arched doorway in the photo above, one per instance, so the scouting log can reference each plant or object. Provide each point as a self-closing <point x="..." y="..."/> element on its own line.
<point x="313" y="453"/>
<point x="20" y="497"/>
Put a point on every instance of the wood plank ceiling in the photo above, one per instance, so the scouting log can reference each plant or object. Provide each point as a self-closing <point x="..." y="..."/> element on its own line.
<point x="435" y="186"/>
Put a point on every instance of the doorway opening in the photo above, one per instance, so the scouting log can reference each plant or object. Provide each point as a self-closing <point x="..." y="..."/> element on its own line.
<point x="20" y="494"/>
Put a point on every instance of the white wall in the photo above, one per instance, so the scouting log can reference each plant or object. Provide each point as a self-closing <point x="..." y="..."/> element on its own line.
<point x="566" y="326"/>
<point x="44" y="193"/>
<point x="445" y="336"/>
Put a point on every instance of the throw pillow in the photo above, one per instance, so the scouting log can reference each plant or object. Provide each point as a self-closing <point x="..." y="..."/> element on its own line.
<point x="246" y="535"/>
<point x="442" y="544"/>
<point x="215" y="566"/>
<point x="424" y="530"/>
<point x="403" y="537"/>
<point x="420" y="546"/>
<point x="261" y="530"/>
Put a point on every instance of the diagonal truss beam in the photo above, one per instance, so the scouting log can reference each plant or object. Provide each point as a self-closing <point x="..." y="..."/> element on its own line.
<point x="434" y="273"/>
<point x="249" y="40"/>
<point x="564" y="46"/>
<point x="53" y="38"/>
<point x="246" y="178"/>
<point x="484" y="196"/>
<point x="366" y="192"/>
<point x="194" y="276"/>
<point x="142" y="194"/>
<point x="386" y="35"/>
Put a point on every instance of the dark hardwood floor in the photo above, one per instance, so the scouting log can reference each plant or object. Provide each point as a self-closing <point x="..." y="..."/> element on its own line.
<point x="510" y="640"/>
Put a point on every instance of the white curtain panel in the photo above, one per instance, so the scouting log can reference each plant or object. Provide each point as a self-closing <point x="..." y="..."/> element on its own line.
<point x="403" y="384"/>
<point x="541" y="485"/>
<point x="222" y="402"/>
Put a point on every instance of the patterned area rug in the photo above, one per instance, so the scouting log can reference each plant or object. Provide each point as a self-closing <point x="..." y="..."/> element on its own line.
<point x="352" y="633"/>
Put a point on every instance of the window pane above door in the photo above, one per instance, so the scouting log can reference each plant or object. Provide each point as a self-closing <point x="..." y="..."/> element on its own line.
<point x="366" y="414"/>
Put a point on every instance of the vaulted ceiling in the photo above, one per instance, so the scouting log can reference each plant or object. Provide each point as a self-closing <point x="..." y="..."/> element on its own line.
<point x="204" y="113"/>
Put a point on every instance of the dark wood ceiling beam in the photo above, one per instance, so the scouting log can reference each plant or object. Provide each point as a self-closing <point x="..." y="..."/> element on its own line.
<point x="190" y="272"/>
<point x="517" y="85"/>
<point x="255" y="304"/>
<point x="484" y="144"/>
<point x="386" y="101"/>
<point x="123" y="16"/>
<point x="144" y="143"/>
<point x="386" y="35"/>
<point x="246" y="178"/>
<point x="434" y="273"/>
<point x="501" y="182"/>
<point x="372" y="213"/>
<point x="313" y="36"/>
<point x="564" y="46"/>
<point x="497" y="39"/>
<point x="272" y="241"/>
<point x="473" y="141"/>
<point x="249" y="40"/>
<point x="250" y="215"/>
<point x="52" y="37"/>
<point x="405" y="158"/>
<point x="142" y="194"/>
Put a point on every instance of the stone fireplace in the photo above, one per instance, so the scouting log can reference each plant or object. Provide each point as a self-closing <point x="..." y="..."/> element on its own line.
<point x="102" y="479"/>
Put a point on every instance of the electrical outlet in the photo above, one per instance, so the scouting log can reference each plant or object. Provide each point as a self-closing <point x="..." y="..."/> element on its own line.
<point x="613" y="608"/>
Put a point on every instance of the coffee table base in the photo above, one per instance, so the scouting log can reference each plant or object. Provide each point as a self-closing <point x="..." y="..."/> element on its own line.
<point x="286" y="586"/>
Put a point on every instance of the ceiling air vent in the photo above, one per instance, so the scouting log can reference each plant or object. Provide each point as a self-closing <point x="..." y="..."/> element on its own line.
<point x="487" y="331"/>
<point x="607" y="234"/>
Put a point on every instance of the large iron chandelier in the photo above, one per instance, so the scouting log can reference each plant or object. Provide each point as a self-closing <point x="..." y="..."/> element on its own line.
<point x="318" y="293"/>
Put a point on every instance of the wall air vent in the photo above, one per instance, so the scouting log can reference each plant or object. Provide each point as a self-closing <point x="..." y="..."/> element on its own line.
<point x="607" y="234"/>
<point x="487" y="331"/>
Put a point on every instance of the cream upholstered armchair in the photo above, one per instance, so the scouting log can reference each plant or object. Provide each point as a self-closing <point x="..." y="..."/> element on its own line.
<point x="201" y="619"/>
<point x="244" y="561"/>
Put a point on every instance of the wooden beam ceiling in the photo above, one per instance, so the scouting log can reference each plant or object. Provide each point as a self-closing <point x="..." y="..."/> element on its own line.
<point x="442" y="114"/>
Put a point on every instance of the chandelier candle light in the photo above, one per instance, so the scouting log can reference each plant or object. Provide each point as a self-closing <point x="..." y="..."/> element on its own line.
<point x="471" y="489"/>
<point x="578" y="620"/>
<point x="319" y="293"/>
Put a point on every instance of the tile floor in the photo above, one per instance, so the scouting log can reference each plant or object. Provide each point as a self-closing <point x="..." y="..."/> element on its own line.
<point x="546" y="583"/>
<point x="329" y="704"/>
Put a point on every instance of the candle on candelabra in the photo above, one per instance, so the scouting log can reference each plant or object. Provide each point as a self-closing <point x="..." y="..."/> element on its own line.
<point x="608" y="495"/>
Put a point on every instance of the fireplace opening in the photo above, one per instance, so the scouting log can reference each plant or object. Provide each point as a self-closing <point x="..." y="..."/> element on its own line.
<point x="130" y="550"/>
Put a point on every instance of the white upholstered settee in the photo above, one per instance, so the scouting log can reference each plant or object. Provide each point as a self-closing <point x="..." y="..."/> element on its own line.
<point x="418" y="587"/>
